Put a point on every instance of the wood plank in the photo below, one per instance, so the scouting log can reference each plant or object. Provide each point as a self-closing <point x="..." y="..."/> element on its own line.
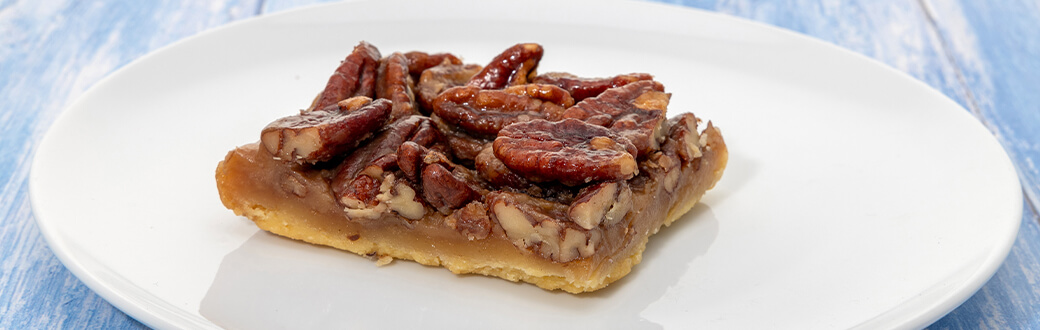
<point x="894" y="32"/>
<point x="997" y="52"/>
<point x="997" y="49"/>
<point x="274" y="6"/>
<point x="51" y="52"/>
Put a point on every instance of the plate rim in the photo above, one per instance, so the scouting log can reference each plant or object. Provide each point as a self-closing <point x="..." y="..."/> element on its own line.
<point x="113" y="289"/>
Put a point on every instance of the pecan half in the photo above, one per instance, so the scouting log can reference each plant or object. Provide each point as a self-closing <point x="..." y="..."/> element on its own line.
<point x="396" y="84"/>
<point x="546" y="93"/>
<point x="485" y="112"/>
<point x="319" y="135"/>
<point x="436" y="80"/>
<point x="356" y="76"/>
<point x="569" y="151"/>
<point x="446" y="186"/>
<point x="514" y="66"/>
<point x="582" y="88"/>
<point x="420" y="61"/>
<point x="445" y="191"/>
<point x="462" y="145"/>
<point x="412" y="157"/>
<point x="636" y="111"/>
<point x="495" y="172"/>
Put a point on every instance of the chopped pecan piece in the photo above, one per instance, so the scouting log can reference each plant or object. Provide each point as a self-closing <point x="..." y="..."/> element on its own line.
<point x="485" y="112"/>
<point x="471" y="220"/>
<point x="364" y="173"/>
<point x="605" y="202"/>
<point x="681" y="148"/>
<point x="569" y="151"/>
<point x="683" y="138"/>
<point x="535" y="223"/>
<point x="514" y="66"/>
<point x="667" y="168"/>
<point x="319" y="135"/>
<point x="392" y="195"/>
<point x="362" y="190"/>
<point x="583" y="88"/>
<point x="635" y="110"/>
<point x="396" y="84"/>
<point x="356" y="76"/>
<point x="437" y="79"/>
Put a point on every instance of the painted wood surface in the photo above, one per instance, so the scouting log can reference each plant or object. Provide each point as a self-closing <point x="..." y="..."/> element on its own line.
<point x="985" y="56"/>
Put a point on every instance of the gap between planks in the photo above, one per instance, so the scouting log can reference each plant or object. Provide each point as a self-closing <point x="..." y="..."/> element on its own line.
<point x="1032" y="206"/>
<point x="969" y="95"/>
<point x="259" y="8"/>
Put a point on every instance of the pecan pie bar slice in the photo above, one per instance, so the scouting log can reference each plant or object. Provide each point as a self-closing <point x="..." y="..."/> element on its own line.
<point x="492" y="170"/>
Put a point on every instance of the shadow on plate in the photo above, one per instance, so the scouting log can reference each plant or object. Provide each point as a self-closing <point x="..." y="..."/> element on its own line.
<point x="274" y="282"/>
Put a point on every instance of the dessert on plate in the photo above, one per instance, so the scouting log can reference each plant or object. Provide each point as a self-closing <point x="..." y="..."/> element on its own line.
<point x="547" y="178"/>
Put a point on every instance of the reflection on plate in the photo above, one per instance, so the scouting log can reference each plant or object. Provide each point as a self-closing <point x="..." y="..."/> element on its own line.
<point x="855" y="196"/>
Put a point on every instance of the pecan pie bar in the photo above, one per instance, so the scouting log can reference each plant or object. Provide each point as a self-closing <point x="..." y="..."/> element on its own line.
<point x="551" y="179"/>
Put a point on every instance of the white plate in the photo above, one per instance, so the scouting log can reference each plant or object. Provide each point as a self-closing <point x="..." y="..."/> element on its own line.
<point x="855" y="195"/>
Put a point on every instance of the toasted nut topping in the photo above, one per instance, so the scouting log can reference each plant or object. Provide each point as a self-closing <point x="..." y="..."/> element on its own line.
<point x="437" y="79"/>
<point x="419" y="62"/>
<point x="636" y="111"/>
<point x="356" y="76"/>
<point x="576" y="244"/>
<point x="570" y="151"/>
<point x="511" y="67"/>
<point x="582" y="88"/>
<point x="535" y="224"/>
<point x="471" y="221"/>
<point x="484" y="112"/>
<point x="444" y="191"/>
<point x="319" y="135"/>
<point x="395" y="83"/>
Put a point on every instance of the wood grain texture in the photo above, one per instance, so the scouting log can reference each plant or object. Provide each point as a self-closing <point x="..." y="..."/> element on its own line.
<point x="997" y="52"/>
<point x="51" y="51"/>
<point x="985" y="56"/>
<point x="995" y="47"/>
<point x="894" y="32"/>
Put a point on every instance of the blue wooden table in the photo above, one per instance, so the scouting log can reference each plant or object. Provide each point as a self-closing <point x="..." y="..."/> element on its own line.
<point x="984" y="55"/>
